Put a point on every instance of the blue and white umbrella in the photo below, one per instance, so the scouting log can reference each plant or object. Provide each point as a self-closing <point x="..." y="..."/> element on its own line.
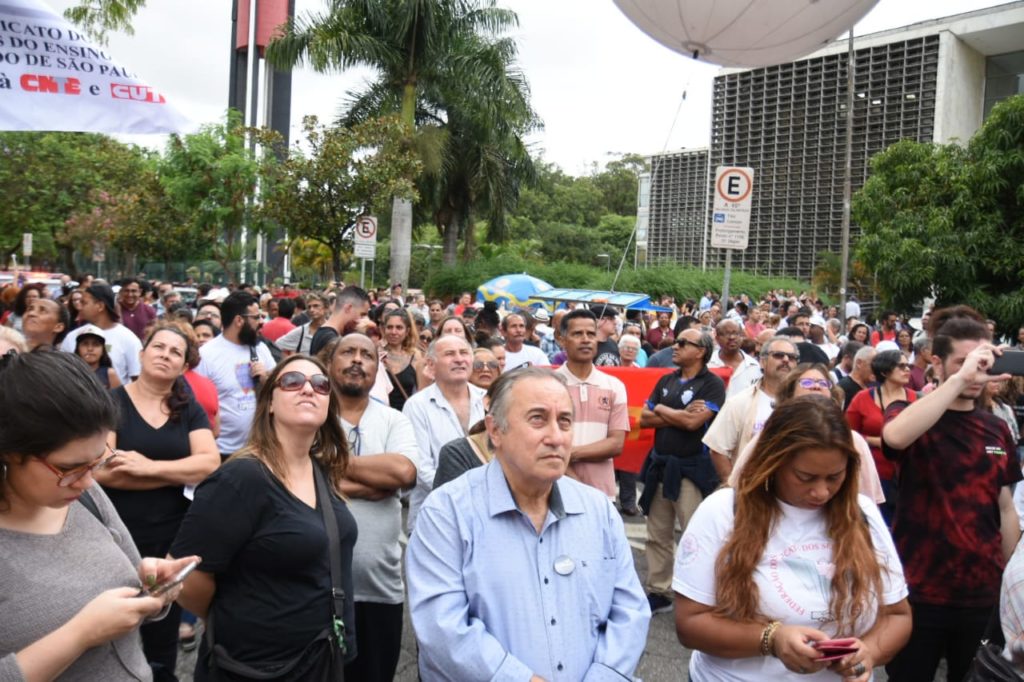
<point x="514" y="291"/>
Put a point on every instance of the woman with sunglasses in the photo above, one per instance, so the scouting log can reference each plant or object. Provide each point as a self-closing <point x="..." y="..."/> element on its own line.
<point x="162" y="443"/>
<point x="401" y="356"/>
<point x="790" y="557"/>
<point x="70" y="575"/>
<point x="485" y="368"/>
<point x="265" y="586"/>
<point x="814" y="379"/>
<point x="866" y="410"/>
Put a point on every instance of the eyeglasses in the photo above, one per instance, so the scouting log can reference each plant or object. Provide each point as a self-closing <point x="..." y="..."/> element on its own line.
<point x="426" y="337"/>
<point x="295" y="381"/>
<point x="683" y="343"/>
<point x="69" y="477"/>
<point x="780" y="356"/>
<point x="903" y="365"/>
<point x="210" y="315"/>
<point x="489" y="364"/>
<point x="815" y="383"/>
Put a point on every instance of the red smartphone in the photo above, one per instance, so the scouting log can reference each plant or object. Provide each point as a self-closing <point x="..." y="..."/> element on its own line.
<point x="834" y="649"/>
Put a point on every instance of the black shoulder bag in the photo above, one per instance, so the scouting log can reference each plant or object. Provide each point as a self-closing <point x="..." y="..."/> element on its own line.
<point x="332" y="637"/>
<point x="988" y="664"/>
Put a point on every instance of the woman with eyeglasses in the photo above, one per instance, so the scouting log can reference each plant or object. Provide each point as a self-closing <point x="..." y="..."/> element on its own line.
<point x="401" y="356"/>
<point x="768" y="571"/>
<point x="485" y="368"/>
<point x="162" y="443"/>
<point x="814" y="379"/>
<point x="265" y="585"/>
<point x="70" y="575"/>
<point x="866" y="415"/>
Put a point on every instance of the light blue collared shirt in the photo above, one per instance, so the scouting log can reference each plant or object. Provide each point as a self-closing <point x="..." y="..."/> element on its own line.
<point x="436" y="424"/>
<point x="486" y="600"/>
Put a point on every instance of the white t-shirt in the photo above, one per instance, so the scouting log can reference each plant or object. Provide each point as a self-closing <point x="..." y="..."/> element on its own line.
<point x="123" y="347"/>
<point x="765" y="405"/>
<point x="527" y="354"/>
<point x="377" y="557"/>
<point x="226" y="364"/>
<point x="793" y="578"/>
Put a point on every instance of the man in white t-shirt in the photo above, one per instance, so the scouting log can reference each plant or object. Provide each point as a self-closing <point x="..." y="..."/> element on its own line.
<point x="745" y="370"/>
<point x="123" y="347"/>
<point x="382" y="462"/>
<point x="517" y="352"/>
<point x="236" y="362"/>
<point x="745" y="413"/>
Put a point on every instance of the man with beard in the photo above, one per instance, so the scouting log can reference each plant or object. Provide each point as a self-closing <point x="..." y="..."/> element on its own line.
<point x="955" y="525"/>
<point x="382" y="462"/>
<point x="745" y="369"/>
<point x="236" y="362"/>
<point x="744" y="414"/>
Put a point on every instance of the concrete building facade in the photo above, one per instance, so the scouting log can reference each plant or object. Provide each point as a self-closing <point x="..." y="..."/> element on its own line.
<point x="931" y="82"/>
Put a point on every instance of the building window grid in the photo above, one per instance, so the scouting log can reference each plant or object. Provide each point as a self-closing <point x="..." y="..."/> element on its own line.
<point x="788" y="123"/>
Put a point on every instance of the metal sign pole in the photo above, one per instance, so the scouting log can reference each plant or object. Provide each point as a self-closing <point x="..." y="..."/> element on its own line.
<point x="362" y="274"/>
<point x="725" y="280"/>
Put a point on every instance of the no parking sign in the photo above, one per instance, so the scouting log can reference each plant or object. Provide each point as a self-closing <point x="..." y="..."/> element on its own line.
<point x="730" y="215"/>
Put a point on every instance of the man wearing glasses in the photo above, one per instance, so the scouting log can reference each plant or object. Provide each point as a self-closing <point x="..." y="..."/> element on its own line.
<point x="744" y="413"/>
<point x="382" y="463"/>
<point x="745" y="369"/>
<point x="135" y="313"/>
<point x="677" y="474"/>
<point x="236" y="362"/>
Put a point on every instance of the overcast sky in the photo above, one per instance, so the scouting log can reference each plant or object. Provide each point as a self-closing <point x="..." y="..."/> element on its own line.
<point x="601" y="86"/>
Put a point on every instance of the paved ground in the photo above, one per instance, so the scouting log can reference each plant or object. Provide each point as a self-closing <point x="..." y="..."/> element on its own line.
<point x="664" y="659"/>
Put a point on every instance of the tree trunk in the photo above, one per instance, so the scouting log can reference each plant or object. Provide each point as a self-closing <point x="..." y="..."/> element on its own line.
<point x="451" y="240"/>
<point x="336" y="263"/>
<point x="401" y="241"/>
<point x="469" y="240"/>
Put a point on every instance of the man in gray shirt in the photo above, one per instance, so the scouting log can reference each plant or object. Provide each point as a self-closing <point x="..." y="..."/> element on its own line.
<point x="383" y="456"/>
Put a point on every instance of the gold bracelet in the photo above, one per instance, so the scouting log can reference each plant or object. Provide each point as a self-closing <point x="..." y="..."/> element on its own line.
<point x="766" y="637"/>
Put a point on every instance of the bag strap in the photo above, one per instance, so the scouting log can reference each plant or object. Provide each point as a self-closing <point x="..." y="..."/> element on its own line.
<point x="334" y="552"/>
<point x="90" y="504"/>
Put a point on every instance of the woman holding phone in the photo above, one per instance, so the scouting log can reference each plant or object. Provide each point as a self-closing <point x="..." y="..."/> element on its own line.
<point x="265" y="586"/>
<point x="790" y="558"/>
<point x="70" y="575"/>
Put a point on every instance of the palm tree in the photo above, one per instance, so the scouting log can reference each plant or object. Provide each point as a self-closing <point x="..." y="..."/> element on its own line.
<point x="415" y="47"/>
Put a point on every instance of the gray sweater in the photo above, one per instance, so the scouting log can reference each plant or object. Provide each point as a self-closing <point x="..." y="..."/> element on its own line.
<point x="47" y="579"/>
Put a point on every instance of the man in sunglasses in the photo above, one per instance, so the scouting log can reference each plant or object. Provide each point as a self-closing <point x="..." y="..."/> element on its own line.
<point x="677" y="474"/>
<point x="744" y="413"/>
<point x="382" y="463"/>
<point x="236" y="362"/>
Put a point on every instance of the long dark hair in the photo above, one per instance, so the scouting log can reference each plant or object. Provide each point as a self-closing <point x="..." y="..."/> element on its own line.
<point x="330" y="448"/>
<point x="178" y="399"/>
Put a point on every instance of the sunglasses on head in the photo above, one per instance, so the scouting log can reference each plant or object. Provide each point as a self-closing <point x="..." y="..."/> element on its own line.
<point x="489" y="364"/>
<point x="295" y="380"/>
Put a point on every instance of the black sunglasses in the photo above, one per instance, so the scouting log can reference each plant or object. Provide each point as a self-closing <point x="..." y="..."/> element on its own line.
<point x="683" y="343"/>
<point x="295" y="380"/>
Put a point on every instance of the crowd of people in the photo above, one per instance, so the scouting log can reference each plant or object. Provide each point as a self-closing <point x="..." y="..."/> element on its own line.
<point x="834" y="477"/>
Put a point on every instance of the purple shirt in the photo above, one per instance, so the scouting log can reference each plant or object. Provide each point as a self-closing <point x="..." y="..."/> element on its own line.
<point x="137" y="319"/>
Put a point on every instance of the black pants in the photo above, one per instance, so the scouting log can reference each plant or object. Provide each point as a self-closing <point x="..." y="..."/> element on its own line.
<point x="948" y="632"/>
<point x="378" y="642"/>
<point x="627" y="489"/>
<point x="160" y="639"/>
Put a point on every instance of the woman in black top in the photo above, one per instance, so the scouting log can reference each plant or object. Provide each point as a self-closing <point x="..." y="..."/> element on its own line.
<point x="265" y="581"/>
<point x="162" y="443"/>
<point x="401" y="355"/>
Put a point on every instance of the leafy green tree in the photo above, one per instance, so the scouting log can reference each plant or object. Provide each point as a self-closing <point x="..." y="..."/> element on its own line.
<point x="415" y="47"/>
<point x="618" y="183"/>
<point x="347" y="171"/>
<point x="46" y="178"/>
<point x="98" y="17"/>
<point x="948" y="221"/>
<point x="211" y="179"/>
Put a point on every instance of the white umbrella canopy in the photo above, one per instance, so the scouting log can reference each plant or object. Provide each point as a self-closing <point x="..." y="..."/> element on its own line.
<point x="745" y="33"/>
<point x="54" y="78"/>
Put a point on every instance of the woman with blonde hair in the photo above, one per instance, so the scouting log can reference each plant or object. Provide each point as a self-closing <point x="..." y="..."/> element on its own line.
<point x="791" y="557"/>
<point x="276" y="539"/>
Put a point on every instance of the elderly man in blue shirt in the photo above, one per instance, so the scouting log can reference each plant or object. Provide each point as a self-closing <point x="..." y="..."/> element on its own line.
<point x="517" y="572"/>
